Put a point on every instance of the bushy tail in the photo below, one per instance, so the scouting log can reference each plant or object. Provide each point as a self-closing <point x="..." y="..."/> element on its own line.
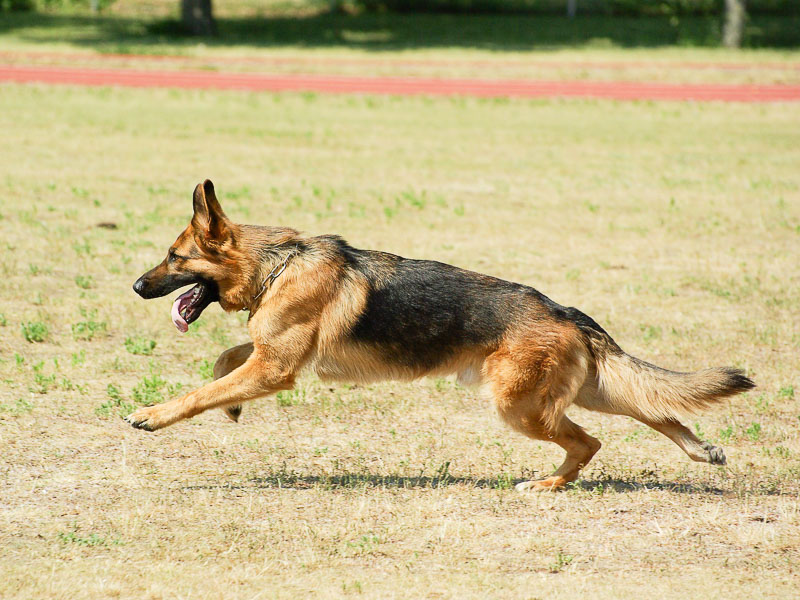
<point x="633" y="387"/>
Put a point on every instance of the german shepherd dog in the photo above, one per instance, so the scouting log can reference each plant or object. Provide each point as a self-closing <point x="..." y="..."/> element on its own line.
<point x="362" y="315"/>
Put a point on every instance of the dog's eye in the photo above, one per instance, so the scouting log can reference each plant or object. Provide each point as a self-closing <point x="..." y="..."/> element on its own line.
<point x="172" y="256"/>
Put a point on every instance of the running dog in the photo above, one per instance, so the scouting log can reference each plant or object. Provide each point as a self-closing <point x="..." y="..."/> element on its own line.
<point x="363" y="316"/>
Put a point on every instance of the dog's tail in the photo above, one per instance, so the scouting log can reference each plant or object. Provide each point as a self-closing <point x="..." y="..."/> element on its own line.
<point x="629" y="386"/>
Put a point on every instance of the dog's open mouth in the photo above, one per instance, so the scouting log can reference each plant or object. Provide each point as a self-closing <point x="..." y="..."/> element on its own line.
<point x="189" y="305"/>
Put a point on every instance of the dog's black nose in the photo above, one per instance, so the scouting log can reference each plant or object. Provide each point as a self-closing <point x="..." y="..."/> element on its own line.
<point x="138" y="287"/>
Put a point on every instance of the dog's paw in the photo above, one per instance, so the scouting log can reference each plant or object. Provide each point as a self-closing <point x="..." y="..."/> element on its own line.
<point x="550" y="484"/>
<point x="716" y="455"/>
<point x="147" y="418"/>
<point x="233" y="412"/>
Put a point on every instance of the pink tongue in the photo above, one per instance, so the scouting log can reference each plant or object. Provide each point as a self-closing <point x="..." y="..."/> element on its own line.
<point x="181" y="303"/>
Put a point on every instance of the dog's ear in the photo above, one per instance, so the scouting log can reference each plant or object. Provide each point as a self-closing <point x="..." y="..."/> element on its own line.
<point x="209" y="220"/>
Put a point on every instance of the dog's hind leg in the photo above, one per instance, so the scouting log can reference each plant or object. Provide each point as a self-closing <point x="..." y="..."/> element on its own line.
<point x="591" y="398"/>
<point x="695" y="448"/>
<point x="579" y="445"/>
<point x="229" y="360"/>
<point x="532" y="392"/>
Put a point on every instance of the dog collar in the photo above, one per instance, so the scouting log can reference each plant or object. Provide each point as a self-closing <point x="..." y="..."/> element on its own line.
<point x="274" y="274"/>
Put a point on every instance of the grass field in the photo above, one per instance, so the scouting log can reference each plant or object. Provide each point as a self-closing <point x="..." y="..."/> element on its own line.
<point x="675" y="225"/>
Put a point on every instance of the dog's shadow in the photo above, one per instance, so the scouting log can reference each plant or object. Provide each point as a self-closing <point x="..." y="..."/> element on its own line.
<point x="353" y="481"/>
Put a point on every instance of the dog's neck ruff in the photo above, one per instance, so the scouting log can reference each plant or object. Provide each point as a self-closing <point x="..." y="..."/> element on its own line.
<point x="273" y="275"/>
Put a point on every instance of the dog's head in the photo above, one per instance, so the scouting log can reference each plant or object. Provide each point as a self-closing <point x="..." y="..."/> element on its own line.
<point x="200" y="256"/>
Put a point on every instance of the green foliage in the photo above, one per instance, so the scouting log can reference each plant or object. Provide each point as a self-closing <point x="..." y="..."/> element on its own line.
<point x="16" y="5"/>
<point x="504" y="481"/>
<point x="150" y="390"/>
<point x="290" y="397"/>
<point x="651" y="332"/>
<point x="443" y="475"/>
<point x="86" y="330"/>
<point x="753" y="432"/>
<point x="66" y="384"/>
<point x="114" y="393"/>
<point x="515" y="25"/>
<point x="154" y="388"/>
<point x="762" y="404"/>
<point x="82" y="248"/>
<point x="645" y="8"/>
<point x="72" y="537"/>
<point x="725" y="435"/>
<point x="21" y="406"/>
<point x="634" y="8"/>
<point x="699" y="431"/>
<point x="782" y="451"/>
<point x="140" y="345"/>
<point x="70" y="6"/>
<point x="114" y="404"/>
<point x="41" y="382"/>
<point x="416" y="199"/>
<point x="635" y="435"/>
<point x="365" y="544"/>
<point x="78" y="358"/>
<point x="206" y="369"/>
<point x="34" y="331"/>
<point x="562" y="561"/>
<point x="84" y="281"/>
<point x="355" y="586"/>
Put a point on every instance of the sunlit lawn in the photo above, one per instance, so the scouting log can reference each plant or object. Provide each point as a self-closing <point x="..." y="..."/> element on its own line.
<point x="676" y="226"/>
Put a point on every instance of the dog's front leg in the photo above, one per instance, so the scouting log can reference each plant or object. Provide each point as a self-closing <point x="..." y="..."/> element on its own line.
<point x="257" y="377"/>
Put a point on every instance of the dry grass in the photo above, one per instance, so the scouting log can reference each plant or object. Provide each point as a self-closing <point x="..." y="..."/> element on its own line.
<point x="676" y="226"/>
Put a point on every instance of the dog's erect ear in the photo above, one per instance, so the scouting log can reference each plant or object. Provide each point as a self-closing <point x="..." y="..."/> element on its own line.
<point x="209" y="220"/>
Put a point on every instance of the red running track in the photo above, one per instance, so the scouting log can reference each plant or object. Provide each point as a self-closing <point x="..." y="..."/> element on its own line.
<point x="616" y="90"/>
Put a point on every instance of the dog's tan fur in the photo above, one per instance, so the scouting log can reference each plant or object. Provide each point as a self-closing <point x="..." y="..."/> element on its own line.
<point x="534" y="371"/>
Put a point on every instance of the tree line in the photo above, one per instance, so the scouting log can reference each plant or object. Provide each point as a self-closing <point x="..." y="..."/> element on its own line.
<point x="198" y="18"/>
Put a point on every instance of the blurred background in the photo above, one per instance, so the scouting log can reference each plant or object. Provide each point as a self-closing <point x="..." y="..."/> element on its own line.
<point x="398" y="24"/>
